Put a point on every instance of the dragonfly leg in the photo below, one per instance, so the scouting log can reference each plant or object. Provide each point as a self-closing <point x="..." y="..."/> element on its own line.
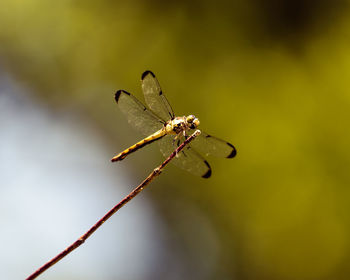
<point x="178" y="142"/>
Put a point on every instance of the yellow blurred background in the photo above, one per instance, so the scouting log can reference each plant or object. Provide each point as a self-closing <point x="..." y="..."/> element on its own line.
<point x="271" y="77"/>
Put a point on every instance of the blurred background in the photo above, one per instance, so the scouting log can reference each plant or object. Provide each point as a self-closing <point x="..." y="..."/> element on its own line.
<point x="271" y="77"/>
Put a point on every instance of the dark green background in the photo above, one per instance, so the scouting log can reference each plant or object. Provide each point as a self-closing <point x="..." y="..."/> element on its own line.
<point x="272" y="77"/>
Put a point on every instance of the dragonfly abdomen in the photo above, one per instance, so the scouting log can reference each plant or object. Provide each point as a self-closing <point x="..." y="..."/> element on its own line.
<point x="148" y="140"/>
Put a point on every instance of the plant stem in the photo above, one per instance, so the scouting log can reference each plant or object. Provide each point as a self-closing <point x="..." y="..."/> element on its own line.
<point x="156" y="172"/>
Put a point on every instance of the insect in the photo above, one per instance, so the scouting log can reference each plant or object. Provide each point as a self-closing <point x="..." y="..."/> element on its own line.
<point x="160" y="124"/>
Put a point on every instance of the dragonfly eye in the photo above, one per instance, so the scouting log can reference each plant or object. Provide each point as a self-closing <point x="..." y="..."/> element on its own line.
<point x="190" y="118"/>
<point x="192" y="121"/>
<point x="196" y="122"/>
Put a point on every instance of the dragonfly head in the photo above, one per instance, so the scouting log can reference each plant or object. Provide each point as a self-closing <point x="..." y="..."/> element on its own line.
<point x="192" y="121"/>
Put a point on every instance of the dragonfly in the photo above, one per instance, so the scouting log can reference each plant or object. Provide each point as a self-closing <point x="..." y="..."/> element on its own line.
<point x="159" y="123"/>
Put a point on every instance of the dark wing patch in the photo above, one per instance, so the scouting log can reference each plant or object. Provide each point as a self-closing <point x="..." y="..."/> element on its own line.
<point x="208" y="173"/>
<point x="234" y="151"/>
<point x="147" y="72"/>
<point x="118" y="93"/>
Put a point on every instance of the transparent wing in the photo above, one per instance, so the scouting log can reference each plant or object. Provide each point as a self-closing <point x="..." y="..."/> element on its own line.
<point x="188" y="159"/>
<point x="210" y="145"/>
<point x="137" y="114"/>
<point x="154" y="96"/>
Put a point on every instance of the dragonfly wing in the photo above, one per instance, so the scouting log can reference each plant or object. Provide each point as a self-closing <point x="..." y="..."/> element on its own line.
<point x="188" y="159"/>
<point x="154" y="96"/>
<point x="210" y="145"/>
<point x="137" y="114"/>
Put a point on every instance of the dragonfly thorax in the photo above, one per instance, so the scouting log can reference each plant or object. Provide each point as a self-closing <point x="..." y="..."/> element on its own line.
<point x="181" y="124"/>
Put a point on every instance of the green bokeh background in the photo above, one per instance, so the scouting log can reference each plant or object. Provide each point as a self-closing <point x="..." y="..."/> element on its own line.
<point x="272" y="77"/>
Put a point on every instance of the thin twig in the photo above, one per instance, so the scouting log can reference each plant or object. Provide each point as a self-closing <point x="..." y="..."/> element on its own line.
<point x="156" y="172"/>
